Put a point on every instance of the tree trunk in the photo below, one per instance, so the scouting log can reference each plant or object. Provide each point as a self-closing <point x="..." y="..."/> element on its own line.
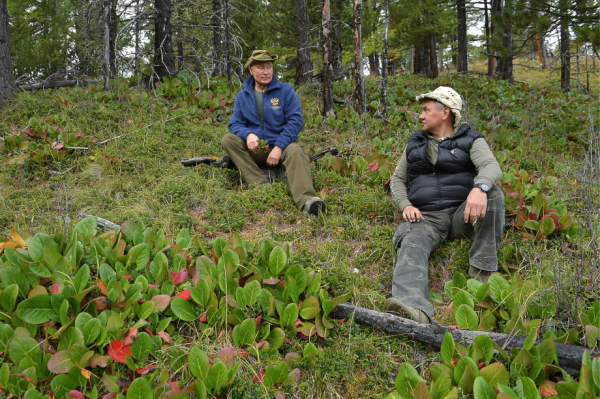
<point x="217" y="44"/>
<point x="227" y="40"/>
<point x="337" y="39"/>
<point x="421" y="60"/>
<point x="542" y="54"/>
<point x="462" y="57"/>
<point x="137" y="37"/>
<point x="384" y="60"/>
<point x="7" y="77"/>
<point x="106" y="44"/>
<point x="496" y="9"/>
<point x="374" y="65"/>
<point x="112" y="27"/>
<point x="433" y="67"/>
<point x="327" y="84"/>
<point x="164" y="57"/>
<point x="505" y="62"/>
<point x="569" y="356"/>
<point x="359" y="88"/>
<point x="565" y="44"/>
<point x="304" y="63"/>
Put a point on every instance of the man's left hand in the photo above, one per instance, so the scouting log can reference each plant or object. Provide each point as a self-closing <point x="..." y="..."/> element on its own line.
<point x="476" y="206"/>
<point x="274" y="156"/>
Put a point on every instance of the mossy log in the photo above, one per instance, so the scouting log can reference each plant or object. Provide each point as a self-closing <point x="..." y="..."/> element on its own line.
<point x="569" y="356"/>
<point x="53" y="84"/>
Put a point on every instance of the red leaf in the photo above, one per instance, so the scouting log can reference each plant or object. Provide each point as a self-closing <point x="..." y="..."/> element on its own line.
<point x="187" y="295"/>
<point x="212" y="251"/>
<point x="145" y="370"/>
<point x="55" y="288"/>
<point x="57" y="146"/>
<point x="118" y="352"/>
<point x="222" y="103"/>
<point x="76" y="394"/>
<point x="127" y="277"/>
<point x="258" y="377"/>
<point x="149" y="332"/>
<point x="373" y="166"/>
<point x="175" y="386"/>
<point x="165" y="337"/>
<point x="203" y="317"/>
<point x="179" y="277"/>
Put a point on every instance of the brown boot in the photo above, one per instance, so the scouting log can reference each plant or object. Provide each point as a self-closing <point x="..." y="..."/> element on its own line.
<point x="396" y="307"/>
<point x="478" y="274"/>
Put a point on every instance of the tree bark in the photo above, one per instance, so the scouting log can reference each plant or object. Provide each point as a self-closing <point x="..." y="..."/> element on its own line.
<point x="565" y="44"/>
<point x="433" y="66"/>
<point x="164" y="57"/>
<point x="304" y="63"/>
<point x="112" y="29"/>
<point x="569" y="356"/>
<point x="462" y="57"/>
<point x="496" y="9"/>
<point x="7" y="77"/>
<point x="359" y="87"/>
<point x="106" y="44"/>
<point x="505" y="62"/>
<point x="327" y="68"/>
<point x="384" y="60"/>
<point x="217" y="45"/>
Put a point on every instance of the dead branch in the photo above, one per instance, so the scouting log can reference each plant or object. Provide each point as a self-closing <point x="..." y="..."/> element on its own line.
<point x="569" y="356"/>
<point x="105" y="224"/>
<point x="55" y="84"/>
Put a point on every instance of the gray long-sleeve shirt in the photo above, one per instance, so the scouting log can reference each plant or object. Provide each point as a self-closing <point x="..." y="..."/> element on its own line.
<point x="488" y="168"/>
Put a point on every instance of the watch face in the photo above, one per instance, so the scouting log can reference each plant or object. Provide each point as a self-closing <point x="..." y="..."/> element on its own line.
<point x="484" y="187"/>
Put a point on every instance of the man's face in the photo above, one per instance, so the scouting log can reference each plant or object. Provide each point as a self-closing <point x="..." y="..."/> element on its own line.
<point x="432" y="118"/>
<point x="262" y="72"/>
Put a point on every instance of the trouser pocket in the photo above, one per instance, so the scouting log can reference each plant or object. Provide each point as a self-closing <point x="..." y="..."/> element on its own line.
<point x="401" y="231"/>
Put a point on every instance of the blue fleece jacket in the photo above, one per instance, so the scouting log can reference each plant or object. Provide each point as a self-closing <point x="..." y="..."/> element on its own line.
<point x="282" y="119"/>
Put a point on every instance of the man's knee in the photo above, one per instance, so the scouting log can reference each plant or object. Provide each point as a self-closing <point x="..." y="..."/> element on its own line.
<point x="495" y="199"/>
<point x="294" y="151"/>
<point x="229" y="140"/>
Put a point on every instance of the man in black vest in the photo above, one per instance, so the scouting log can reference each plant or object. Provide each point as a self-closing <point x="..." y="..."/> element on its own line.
<point x="445" y="185"/>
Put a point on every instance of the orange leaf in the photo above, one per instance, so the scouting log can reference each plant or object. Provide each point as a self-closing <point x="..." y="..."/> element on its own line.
<point x="186" y="294"/>
<point x="103" y="288"/>
<point x="86" y="373"/>
<point x="145" y="370"/>
<point x="18" y="239"/>
<point x="165" y="337"/>
<point x="130" y="336"/>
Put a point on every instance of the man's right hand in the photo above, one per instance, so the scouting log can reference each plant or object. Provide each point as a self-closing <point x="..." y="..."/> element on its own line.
<point x="252" y="142"/>
<point x="412" y="214"/>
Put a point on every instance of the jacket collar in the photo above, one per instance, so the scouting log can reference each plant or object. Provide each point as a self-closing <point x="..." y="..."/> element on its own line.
<point x="249" y="84"/>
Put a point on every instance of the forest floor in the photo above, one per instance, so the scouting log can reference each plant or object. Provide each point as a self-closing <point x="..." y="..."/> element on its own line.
<point x="547" y="143"/>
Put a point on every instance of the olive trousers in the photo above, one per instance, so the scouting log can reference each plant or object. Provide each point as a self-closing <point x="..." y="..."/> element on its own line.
<point x="294" y="159"/>
<point x="414" y="243"/>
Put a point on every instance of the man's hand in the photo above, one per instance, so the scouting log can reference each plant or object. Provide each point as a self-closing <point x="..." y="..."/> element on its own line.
<point x="252" y="142"/>
<point x="274" y="156"/>
<point x="476" y="206"/>
<point x="412" y="214"/>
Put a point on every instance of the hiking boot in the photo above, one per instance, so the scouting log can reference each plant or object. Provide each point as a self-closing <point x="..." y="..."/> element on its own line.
<point x="314" y="206"/>
<point x="396" y="307"/>
<point x="478" y="274"/>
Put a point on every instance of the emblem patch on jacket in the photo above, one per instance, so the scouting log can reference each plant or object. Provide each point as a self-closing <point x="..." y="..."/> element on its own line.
<point x="274" y="103"/>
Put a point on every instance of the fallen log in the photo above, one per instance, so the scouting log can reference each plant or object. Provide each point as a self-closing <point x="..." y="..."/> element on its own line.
<point x="569" y="356"/>
<point x="52" y="84"/>
<point x="105" y="224"/>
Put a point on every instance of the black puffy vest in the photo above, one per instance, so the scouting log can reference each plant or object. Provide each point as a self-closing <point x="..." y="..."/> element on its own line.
<point x="447" y="183"/>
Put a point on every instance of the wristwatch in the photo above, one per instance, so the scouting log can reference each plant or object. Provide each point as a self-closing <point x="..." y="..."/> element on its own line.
<point x="483" y="187"/>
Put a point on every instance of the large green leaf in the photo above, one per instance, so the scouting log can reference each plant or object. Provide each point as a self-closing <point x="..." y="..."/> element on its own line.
<point x="62" y="384"/>
<point x="217" y="375"/>
<point x="461" y="298"/>
<point x="37" y="244"/>
<point x="198" y="363"/>
<point x="8" y="297"/>
<point x="466" y="317"/>
<point x="141" y="347"/>
<point x="22" y="347"/>
<point x="483" y="390"/>
<point x="407" y="379"/>
<point x="245" y="333"/>
<point x="495" y="373"/>
<point x="10" y="275"/>
<point x="60" y="362"/>
<point x="277" y="261"/>
<point x="310" y="308"/>
<point x="35" y="310"/>
<point x="527" y="388"/>
<point x="139" y="255"/>
<point x="447" y="348"/>
<point x="296" y="281"/>
<point x="87" y="226"/>
<point x="140" y="388"/>
<point x="183" y="309"/>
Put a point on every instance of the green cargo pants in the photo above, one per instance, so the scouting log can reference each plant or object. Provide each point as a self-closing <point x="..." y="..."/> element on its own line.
<point x="416" y="241"/>
<point x="294" y="159"/>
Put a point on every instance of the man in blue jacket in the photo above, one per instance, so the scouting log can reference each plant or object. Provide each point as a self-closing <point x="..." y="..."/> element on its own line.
<point x="269" y="110"/>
